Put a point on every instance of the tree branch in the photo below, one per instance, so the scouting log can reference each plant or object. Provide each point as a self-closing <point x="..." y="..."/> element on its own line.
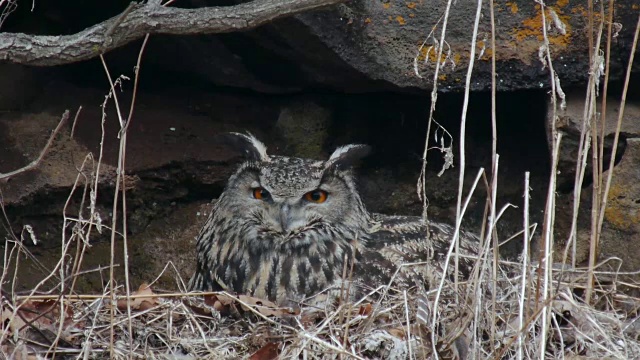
<point x="141" y="19"/>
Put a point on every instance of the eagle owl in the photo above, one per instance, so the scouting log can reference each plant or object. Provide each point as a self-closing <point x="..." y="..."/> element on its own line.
<point x="287" y="228"/>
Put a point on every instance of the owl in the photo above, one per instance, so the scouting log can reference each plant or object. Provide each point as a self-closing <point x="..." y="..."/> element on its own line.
<point x="286" y="229"/>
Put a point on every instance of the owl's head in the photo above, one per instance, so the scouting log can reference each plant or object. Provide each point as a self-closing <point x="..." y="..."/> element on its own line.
<point x="285" y="197"/>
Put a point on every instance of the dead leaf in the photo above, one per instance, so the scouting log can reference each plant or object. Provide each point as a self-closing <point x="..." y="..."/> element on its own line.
<point x="398" y="332"/>
<point x="14" y="322"/>
<point x="225" y="303"/>
<point x="267" y="352"/>
<point x="365" y="310"/>
<point x="140" y="303"/>
<point x="19" y="352"/>
<point x="43" y="315"/>
<point x="308" y="319"/>
<point x="222" y="303"/>
<point x="197" y="307"/>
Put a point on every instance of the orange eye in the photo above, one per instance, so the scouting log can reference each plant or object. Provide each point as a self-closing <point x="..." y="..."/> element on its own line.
<point x="260" y="193"/>
<point x="316" y="196"/>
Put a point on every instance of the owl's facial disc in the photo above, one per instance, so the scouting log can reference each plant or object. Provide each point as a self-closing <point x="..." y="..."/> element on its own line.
<point x="290" y="198"/>
<point x="289" y="215"/>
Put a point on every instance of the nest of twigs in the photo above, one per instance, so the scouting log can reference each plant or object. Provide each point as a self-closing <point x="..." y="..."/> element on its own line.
<point x="510" y="319"/>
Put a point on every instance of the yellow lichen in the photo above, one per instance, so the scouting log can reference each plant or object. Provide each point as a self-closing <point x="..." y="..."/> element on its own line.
<point x="513" y="6"/>
<point x="532" y="27"/>
<point x="411" y="5"/>
<point x="367" y="21"/>
<point x="488" y="53"/>
<point x="442" y="77"/>
<point x="400" y="20"/>
<point x="581" y="10"/>
<point x="617" y="212"/>
<point x="386" y="5"/>
<point x="432" y="53"/>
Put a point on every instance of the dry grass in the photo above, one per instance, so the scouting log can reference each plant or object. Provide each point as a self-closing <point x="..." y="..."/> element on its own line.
<point x="505" y="310"/>
<point x="390" y="323"/>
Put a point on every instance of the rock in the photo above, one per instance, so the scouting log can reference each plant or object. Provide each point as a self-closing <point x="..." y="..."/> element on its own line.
<point x="165" y="154"/>
<point x="18" y="86"/>
<point x="381" y="39"/>
<point x="218" y="60"/>
<point x="569" y="122"/>
<point x="621" y="225"/>
<point x="364" y="46"/>
<point x="304" y="126"/>
<point x="621" y="229"/>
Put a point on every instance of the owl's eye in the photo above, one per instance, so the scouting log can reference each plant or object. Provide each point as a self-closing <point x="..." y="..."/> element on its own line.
<point x="316" y="196"/>
<point x="260" y="193"/>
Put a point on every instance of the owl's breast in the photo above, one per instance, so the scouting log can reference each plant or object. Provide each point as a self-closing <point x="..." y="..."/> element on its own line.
<point x="277" y="268"/>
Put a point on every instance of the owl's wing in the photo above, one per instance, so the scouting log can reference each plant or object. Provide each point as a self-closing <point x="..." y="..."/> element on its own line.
<point x="412" y="252"/>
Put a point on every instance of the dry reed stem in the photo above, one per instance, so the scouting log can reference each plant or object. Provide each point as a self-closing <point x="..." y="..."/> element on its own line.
<point x="43" y="152"/>
<point x="525" y="266"/>
<point x="618" y="125"/>
<point x="547" y="254"/>
<point x="422" y="181"/>
<point x="121" y="178"/>
<point x="595" y="162"/>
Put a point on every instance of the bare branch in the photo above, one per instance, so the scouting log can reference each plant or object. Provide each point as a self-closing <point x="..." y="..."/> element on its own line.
<point x="35" y="162"/>
<point x="141" y="19"/>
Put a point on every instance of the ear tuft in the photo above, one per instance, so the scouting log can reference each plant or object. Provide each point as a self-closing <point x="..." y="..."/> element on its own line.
<point x="247" y="144"/>
<point x="348" y="154"/>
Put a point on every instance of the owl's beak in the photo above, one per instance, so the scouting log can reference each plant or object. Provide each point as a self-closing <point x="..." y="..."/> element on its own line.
<point x="290" y="219"/>
<point x="285" y="218"/>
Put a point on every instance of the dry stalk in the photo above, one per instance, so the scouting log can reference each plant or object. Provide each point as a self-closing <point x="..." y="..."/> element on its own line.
<point x="121" y="171"/>
<point x="494" y="155"/>
<point x="45" y="149"/>
<point x="493" y="240"/>
<point x="525" y="267"/>
<point x="75" y="121"/>
<point x="422" y="180"/>
<point x="82" y="243"/>
<point x="596" y="197"/>
<point x="547" y="255"/>
<point x="618" y="127"/>
<point x="434" y="316"/>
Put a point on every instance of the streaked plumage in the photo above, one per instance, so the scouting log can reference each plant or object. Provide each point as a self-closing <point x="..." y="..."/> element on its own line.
<point x="284" y="247"/>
